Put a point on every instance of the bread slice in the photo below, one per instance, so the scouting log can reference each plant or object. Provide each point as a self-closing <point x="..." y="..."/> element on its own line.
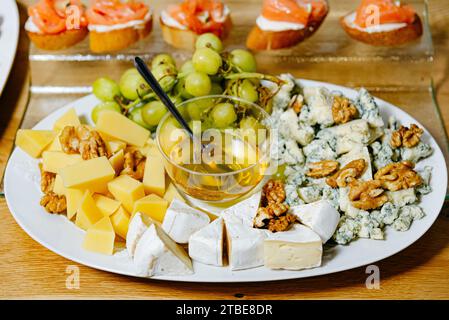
<point x="118" y="39"/>
<point x="185" y="39"/>
<point x="58" y="41"/>
<point x="259" y="39"/>
<point x="388" y="38"/>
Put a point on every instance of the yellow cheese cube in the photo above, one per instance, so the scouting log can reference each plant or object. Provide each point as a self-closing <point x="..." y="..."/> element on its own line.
<point x="117" y="161"/>
<point x="120" y="222"/>
<point x="100" y="237"/>
<point x="154" y="175"/>
<point x="93" y="174"/>
<point x="120" y="127"/>
<point x="172" y="193"/>
<point x="55" y="145"/>
<point x="58" y="186"/>
<point x="126" y="190"/>
<point x="153" y="206"/>
<point x="106" y="205"/>
<point x="115" y="145"/>
<point x="88" y="214"/>
<point x="150" y="147"/>
<point x="34" y="142"/>
<point x="54" y="161"/>
<point x="67" y="119"/>
<point x="73" y="198"/>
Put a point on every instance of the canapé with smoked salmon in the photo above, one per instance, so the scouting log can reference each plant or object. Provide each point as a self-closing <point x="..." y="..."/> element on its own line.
<point x="383" y="23"/>
<point x="285" y="23"/>
<point x="56" y="24"/>
<point x="116" y="24"/>
<point x="182" y="23"/>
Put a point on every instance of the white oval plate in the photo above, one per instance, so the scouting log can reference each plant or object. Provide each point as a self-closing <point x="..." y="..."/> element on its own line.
<point x="61" y="236"/>
<point x="9" y="36"/>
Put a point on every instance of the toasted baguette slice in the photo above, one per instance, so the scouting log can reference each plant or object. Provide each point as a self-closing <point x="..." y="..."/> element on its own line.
<point x="58" y="41"/>
<point x="185" y="39"/>
<point x="388" y="38"/>
<point x="119" y="39"/>
<point x="259" y="39"/>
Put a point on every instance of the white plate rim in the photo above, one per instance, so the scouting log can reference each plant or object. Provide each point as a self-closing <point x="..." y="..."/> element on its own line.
<point x="276" y="275"/>
<point x="9" y="39"/>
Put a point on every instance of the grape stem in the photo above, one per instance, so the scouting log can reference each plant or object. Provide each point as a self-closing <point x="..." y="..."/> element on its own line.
<point x="254" y="75"/>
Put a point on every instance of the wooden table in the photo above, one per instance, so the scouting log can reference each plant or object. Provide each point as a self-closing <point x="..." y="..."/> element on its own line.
<point x="28" y="270"/>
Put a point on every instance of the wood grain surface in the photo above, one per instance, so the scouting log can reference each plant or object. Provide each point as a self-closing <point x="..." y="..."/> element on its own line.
<point x="28" y="270"/>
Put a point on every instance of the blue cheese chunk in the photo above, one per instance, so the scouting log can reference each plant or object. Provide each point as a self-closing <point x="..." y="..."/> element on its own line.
<point x="420" y="151"/>
<point x="310" y="194"/>
<point x="319" y="150"/>
<point x="319" y="111"/>
<point x="425" y="174"/>
<point x="291" y="128"/>
<point x="347" y="230"/>
<point x="402" y="197"/>
<point x="368" y="108"/>
<point x="406" y="216"/>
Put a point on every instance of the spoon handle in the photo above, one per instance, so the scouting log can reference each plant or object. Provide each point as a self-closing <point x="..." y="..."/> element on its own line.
<point x="154" y="84"/>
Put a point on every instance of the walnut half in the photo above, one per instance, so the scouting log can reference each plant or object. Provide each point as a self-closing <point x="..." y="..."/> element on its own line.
<point x="322" y="169"/>
<point x="348" y="173"/>
<point x="273" y="191"/>
<point x="54" y="203"/>
<point x="134" y="164"/>
<point x="47" y="181"/>
<point x="398" y="176"/>
<point x="343" y="110"/>
<point x="367" y="195"/>
<point x="407" y="137"/>
<point x="84" y="141"/>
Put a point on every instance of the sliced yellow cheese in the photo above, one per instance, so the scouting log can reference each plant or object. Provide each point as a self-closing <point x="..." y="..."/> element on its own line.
<point x="93" y="174"/>
<point x="55" y="145"/>
<point x="54" y="161"/>
<point x="120" y="127"/>
<point x="154" y="175"/>
<point x="69" y="118"/>
<point x="117" y="161"/>
<point x="115" y="145"/>
<point x="106" y="205"/>
<point x="152" y="206"/>
<point x="172" y="193"/>
<point x="120" y="222"/>
<point x="150" y="147"/>
<point x="88" y="214"/>
<point x="100" y="237"/>
<point x="73" y="198"/>
<point x="58" y="186"/>
<point x="34" y="142"/>
<point x="126" y="190"/>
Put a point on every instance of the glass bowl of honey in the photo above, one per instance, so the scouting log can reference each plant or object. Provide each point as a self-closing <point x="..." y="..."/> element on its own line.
<point x="228" y="154"/>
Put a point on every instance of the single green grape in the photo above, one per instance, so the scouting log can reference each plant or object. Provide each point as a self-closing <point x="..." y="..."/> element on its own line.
<point x="106" y="105"/>
<point x="223" y="114"/>
<point x="187" y="67"/>
<point x="243" y="60"/>
<point x="136" y="116"/>
<point x="195" y="109"/>
<point x="249" y="122"/>
<point x="206" y="60"/>
<point x="216" y="88"/>
<point x="166" y="76"/>
<point x="132" y="85"/>
<point x="209" y="40"/>
<point x="105" y="89"/>
<point x="198" y="84"/>
<point x="163" y="58"/>
<point x="247" y="91"/>
<point x="153" y="112"/>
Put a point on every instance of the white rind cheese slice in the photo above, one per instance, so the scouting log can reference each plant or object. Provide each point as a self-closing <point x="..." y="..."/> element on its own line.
<point x="295" y="249"/>
<point x="245" y="246"/>
<point x="320" y="216"/>
<point x="137" y="227"/>
<point x="244" y="211"/>
<point x="206" y="245"/>
<point x="181" y="221"/>
<point x="156" y="255"/>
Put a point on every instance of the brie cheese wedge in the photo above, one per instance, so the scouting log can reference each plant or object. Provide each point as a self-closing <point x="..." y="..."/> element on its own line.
<point x="295" y="249"/>
<point x="245" y="246"/>
<point x="206" y="245"/>
<point x="137" y="227"/>
<point x="244" y="211"/>
<point x="320" y="216"/>
<point x="181" y="221"/>
<point x="156" y="255"/>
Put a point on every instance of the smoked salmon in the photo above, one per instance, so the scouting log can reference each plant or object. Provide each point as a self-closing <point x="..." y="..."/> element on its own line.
<point x="383" y="23"/>
<point x="113" y="12"/>
<point x="50" y="16"/>
<point x="285" y="23"/>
